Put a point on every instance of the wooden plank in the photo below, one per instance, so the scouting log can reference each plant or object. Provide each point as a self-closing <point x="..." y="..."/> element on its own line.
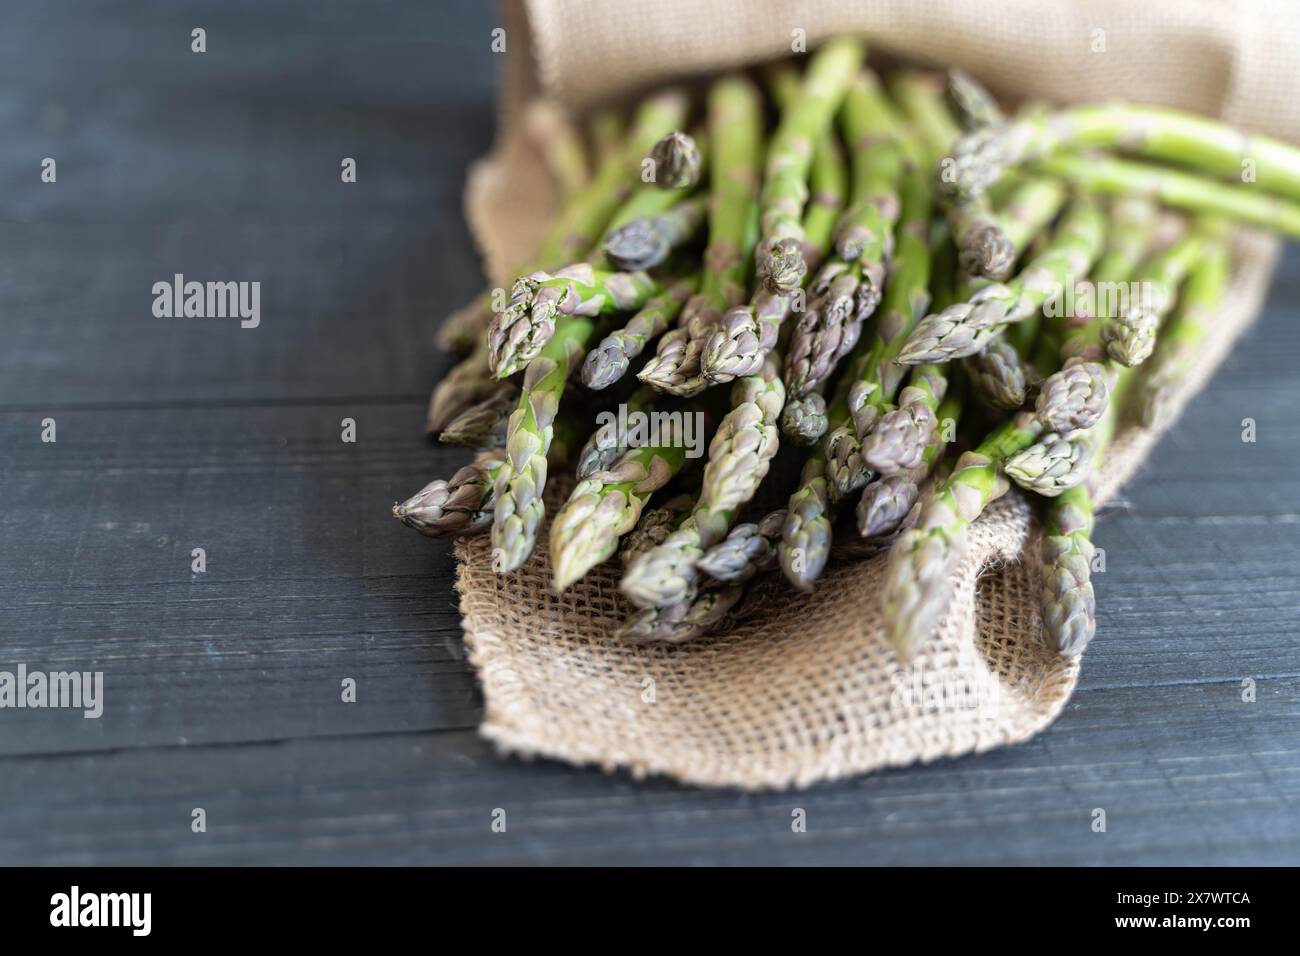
<point x="1175" y="790"/>
<point x="309" y="579"/>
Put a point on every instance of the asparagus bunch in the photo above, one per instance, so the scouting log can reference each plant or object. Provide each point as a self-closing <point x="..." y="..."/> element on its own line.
<point x="833" y="269"/>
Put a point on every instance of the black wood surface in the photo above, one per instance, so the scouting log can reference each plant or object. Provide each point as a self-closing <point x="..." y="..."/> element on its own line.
<point x="223" y="688"/>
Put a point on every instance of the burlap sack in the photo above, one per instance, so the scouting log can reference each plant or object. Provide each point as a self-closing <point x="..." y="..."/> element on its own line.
<point x="797" y="689"/>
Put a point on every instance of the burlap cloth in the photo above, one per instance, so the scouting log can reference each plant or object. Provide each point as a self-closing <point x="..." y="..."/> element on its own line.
<point x="796" y="689"/>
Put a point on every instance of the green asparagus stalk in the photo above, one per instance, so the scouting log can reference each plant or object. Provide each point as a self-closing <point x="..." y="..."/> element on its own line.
<point x="519" y="508"/>
<point x="647" y="242"/>
<point x="864" y="233"/>
<point x="898" y="442"/>
<point x="684" y="620"/>
<point x="1117" y="177"/>
<point x="739" y="457"/>
<point x="905" y="301"/>
<point x="1130" y="336"/>
<point x="463" y="504"/>
<point x="609" y="360"/>
<point x="1065" y="593"/>
<point x="469" y="381"/>
<point x="785" y="185"/>
<point x="848" y="288"/>
<point x="806" y="535"/>
<point x="1132" y="227"/>
<point x="921" y="95"/>
<point x="975" y="106"/>
<point x="582" y="224"/>
<point x="918" y="577"/>
<point x="966" y="327"/>
<point x="606" y="506"/>
<point x="459" y="505"/>
<point x="677" y="161"/>
<point x="746" y="334"/>
<point x="999" y="377"/>
<point x="483" y="426"/>
<point x="804" y="420"/>
<point x="1208" y="146"/>
<point x="747" y="550"/>
<point x="606" y="444"/>
<point x="1182" y="334"/>
<point x="889" y="505"/>
<point x="654" y="526"/>
<point x="584" y="217"/>
<point x="735" y="136"/>
<point x="1052" y="464"/>
<point x="516" y="337"/>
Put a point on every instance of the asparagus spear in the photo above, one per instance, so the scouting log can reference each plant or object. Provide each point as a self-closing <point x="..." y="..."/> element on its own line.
<point x="890" y="504"/>
<point x="647" y="242"/>
<point x="806" y="536"/>
<point x="459" y="505"/>
<point x="561" y="149"/>
<point x="608" y="361"/>
<point x="1182" y="334"/>
<point x="606" y="506"/>
<point x="572" y="235"/>
<point x="864" y="233"/>
<point x="848" y="287"/>
<point x="836" y="468"/>
<point x="918" y="575"/>
<point x="516" y="337"/>
<point x="735" y="136"/>
<point x="747" y="550"/>
<point x="606" y="445"/>
<point x="998" y="375"/>
<point x="901" y="437"/>
<point x="1052" y="464"/>
<point x="905" y="300"/>
<point x="739" y="457"/>
<point x="468" y="382"/>
<point x="966" y="327"/>
<point x="975" y="106"/>
<point x="1132" y="225"/>
<point x="463" y="503"/>
<point x="1208" y="146"/>
<point x="746" y="334"/>
<point x="684" y="620"/>
<point x="677" y="161"/>
<point x="1130" y="336"/>
<point x="1065" y="593"/>
<point x="920" y="93"/>
<point x="1196" y="194"/>
<point x="1073" y="398"/>
<point x="483" y="425"/>
<point x="785" y="186"/>
<point x="921" y="562"/>
<point x="653" y="527"/>
<point x="519" y="509"/>
<point x="804" y="420"/>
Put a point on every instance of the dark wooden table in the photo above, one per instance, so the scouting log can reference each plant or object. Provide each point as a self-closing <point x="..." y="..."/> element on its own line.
<point x="222" y="688"/>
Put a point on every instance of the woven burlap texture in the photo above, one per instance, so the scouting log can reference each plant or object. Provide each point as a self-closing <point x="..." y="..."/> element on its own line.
<point x="794" y="689"/>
